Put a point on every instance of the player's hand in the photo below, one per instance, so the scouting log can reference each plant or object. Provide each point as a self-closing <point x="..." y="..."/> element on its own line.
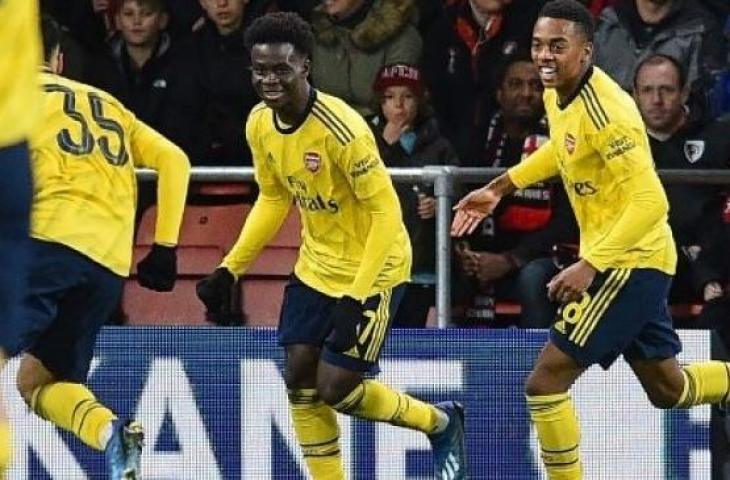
<point x="158" y="270"/>
<point x="570" y="284"/>
<point x="215" y="291"/>
<point x="472" y="209"/>
<point x="345" y="317"/>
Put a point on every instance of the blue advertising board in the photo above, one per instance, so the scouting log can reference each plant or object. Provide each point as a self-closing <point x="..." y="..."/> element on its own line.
<point x="214" y="406"/>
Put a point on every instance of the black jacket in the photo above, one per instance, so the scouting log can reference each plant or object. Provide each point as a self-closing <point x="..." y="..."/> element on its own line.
<point x="695" y="211"/>
<point x="164" y="93"/>
<point x="223" y="63"/>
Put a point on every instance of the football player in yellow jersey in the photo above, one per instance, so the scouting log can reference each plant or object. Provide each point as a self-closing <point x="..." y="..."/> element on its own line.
<point x="84" y="156"/>
<point x="313" y="150"/>
<point x="614" y="298"/>
<point x="20" y="58"/>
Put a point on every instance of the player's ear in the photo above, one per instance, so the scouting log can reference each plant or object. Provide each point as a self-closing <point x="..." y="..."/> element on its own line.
<point x="306" y="66"/>
<point x="587" y="52"/>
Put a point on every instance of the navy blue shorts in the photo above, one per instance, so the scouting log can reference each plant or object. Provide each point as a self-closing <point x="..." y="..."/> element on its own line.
<point x="305" y="320"/>
<point x="623" y="312"/>
<point x="16" y="192"/>
<point x="69" y="299"/>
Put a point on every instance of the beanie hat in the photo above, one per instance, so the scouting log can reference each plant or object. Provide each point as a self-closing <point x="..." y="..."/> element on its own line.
<point x="399" y="74"/>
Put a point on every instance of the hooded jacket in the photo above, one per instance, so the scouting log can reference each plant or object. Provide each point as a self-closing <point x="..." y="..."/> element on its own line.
<point x="688" y="33"/>
<point x="347" y="56"/>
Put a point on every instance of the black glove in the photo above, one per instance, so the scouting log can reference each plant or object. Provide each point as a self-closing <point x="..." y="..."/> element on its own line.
<point x="215" y="291"/>
<point x="345" y="317"/>
<point x="158" y="270"/>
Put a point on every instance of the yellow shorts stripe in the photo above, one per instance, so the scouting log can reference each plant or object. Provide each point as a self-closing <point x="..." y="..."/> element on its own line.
<point x="381" y="326"/>
<point x="609" y="297"/>
<point x="590" y="308"/>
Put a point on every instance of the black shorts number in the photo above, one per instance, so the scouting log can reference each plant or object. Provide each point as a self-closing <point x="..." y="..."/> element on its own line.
<point x="86" y="143"/>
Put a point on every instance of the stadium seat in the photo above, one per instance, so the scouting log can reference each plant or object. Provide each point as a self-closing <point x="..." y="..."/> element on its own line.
<point x="207" y="233"/>
<point x="237" y="189"/>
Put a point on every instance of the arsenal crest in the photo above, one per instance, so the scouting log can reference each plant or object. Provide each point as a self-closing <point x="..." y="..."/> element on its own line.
<point x="312" y="161"/>
<point x="693" y="150"/>
<point x="569" y="143"/>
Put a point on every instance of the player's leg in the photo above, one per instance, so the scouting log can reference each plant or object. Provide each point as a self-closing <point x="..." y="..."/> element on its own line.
<point x="70" y="298"/>
<point x="315" y="422"/>
<point x="15" y="201"/>
<point x="302" y="328"/>
<point x="340" y="383"/>
<point x="553" y="413"/>
<point x="68" y="405"/>
<point x="666" y="383"/>
<point x="594" y="329"/>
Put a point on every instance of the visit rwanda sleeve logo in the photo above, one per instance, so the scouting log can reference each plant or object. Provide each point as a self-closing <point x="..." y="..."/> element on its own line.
<point x="312" y="161"/>
<point x="619" y="146"/>
<point x="569" y="143"/>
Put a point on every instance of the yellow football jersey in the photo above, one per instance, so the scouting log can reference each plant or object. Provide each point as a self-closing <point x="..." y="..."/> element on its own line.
<point x="598" y="145"/>
<point x="329" y="166"/>
<point x="20" y="60"/>
<point x="85" y="191"/>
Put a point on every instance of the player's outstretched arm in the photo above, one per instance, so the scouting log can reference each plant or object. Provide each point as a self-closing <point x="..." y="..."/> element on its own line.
<point x="478" y="204"/>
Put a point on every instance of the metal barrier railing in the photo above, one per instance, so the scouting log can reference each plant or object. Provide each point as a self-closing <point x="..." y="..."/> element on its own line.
<point x="443" y="179"/>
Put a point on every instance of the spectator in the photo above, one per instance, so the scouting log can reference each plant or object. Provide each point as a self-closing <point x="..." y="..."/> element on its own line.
<point x="682" y="29"/>
<point x="678" y="142"/>
<point x="354" y="39"/>
<point x="408" y="136"/>
<point x="150" y="75"/>
<point x="460" y="61"/>
<point x="90" y="22"/>
<point x="597" y="6"/>
<point x="716" y="309"/>
<point x="510" y="256"/>
<point x="223" y="63"/>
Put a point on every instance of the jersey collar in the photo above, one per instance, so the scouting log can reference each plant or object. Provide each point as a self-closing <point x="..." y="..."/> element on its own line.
<point x="292" y="128"/>
<point x="576" y="92"/>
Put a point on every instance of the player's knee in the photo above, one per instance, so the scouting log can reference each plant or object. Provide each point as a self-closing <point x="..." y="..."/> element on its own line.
<point x="663" y="397"/>
<point x="31" y="375"/>
<point x="539" y="382"/>
<point x="296" y="376"/>
<point x="26" y="383"/>
<point x="533" y="386"/>
<point x="332" y="391"/>
<point x="301" y="367"/>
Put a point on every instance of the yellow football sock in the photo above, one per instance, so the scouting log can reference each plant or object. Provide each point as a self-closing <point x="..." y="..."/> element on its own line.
<point x="372" y="400"/>
<point x="705" y="382"/>
<point x="318" y="433"/>
<point x="73" y="407"/>
<point x="557" y="427"/>
<point x="6" y="447"/>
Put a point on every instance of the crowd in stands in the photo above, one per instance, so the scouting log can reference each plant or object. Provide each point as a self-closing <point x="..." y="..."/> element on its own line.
<point x="441" y="82"/>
